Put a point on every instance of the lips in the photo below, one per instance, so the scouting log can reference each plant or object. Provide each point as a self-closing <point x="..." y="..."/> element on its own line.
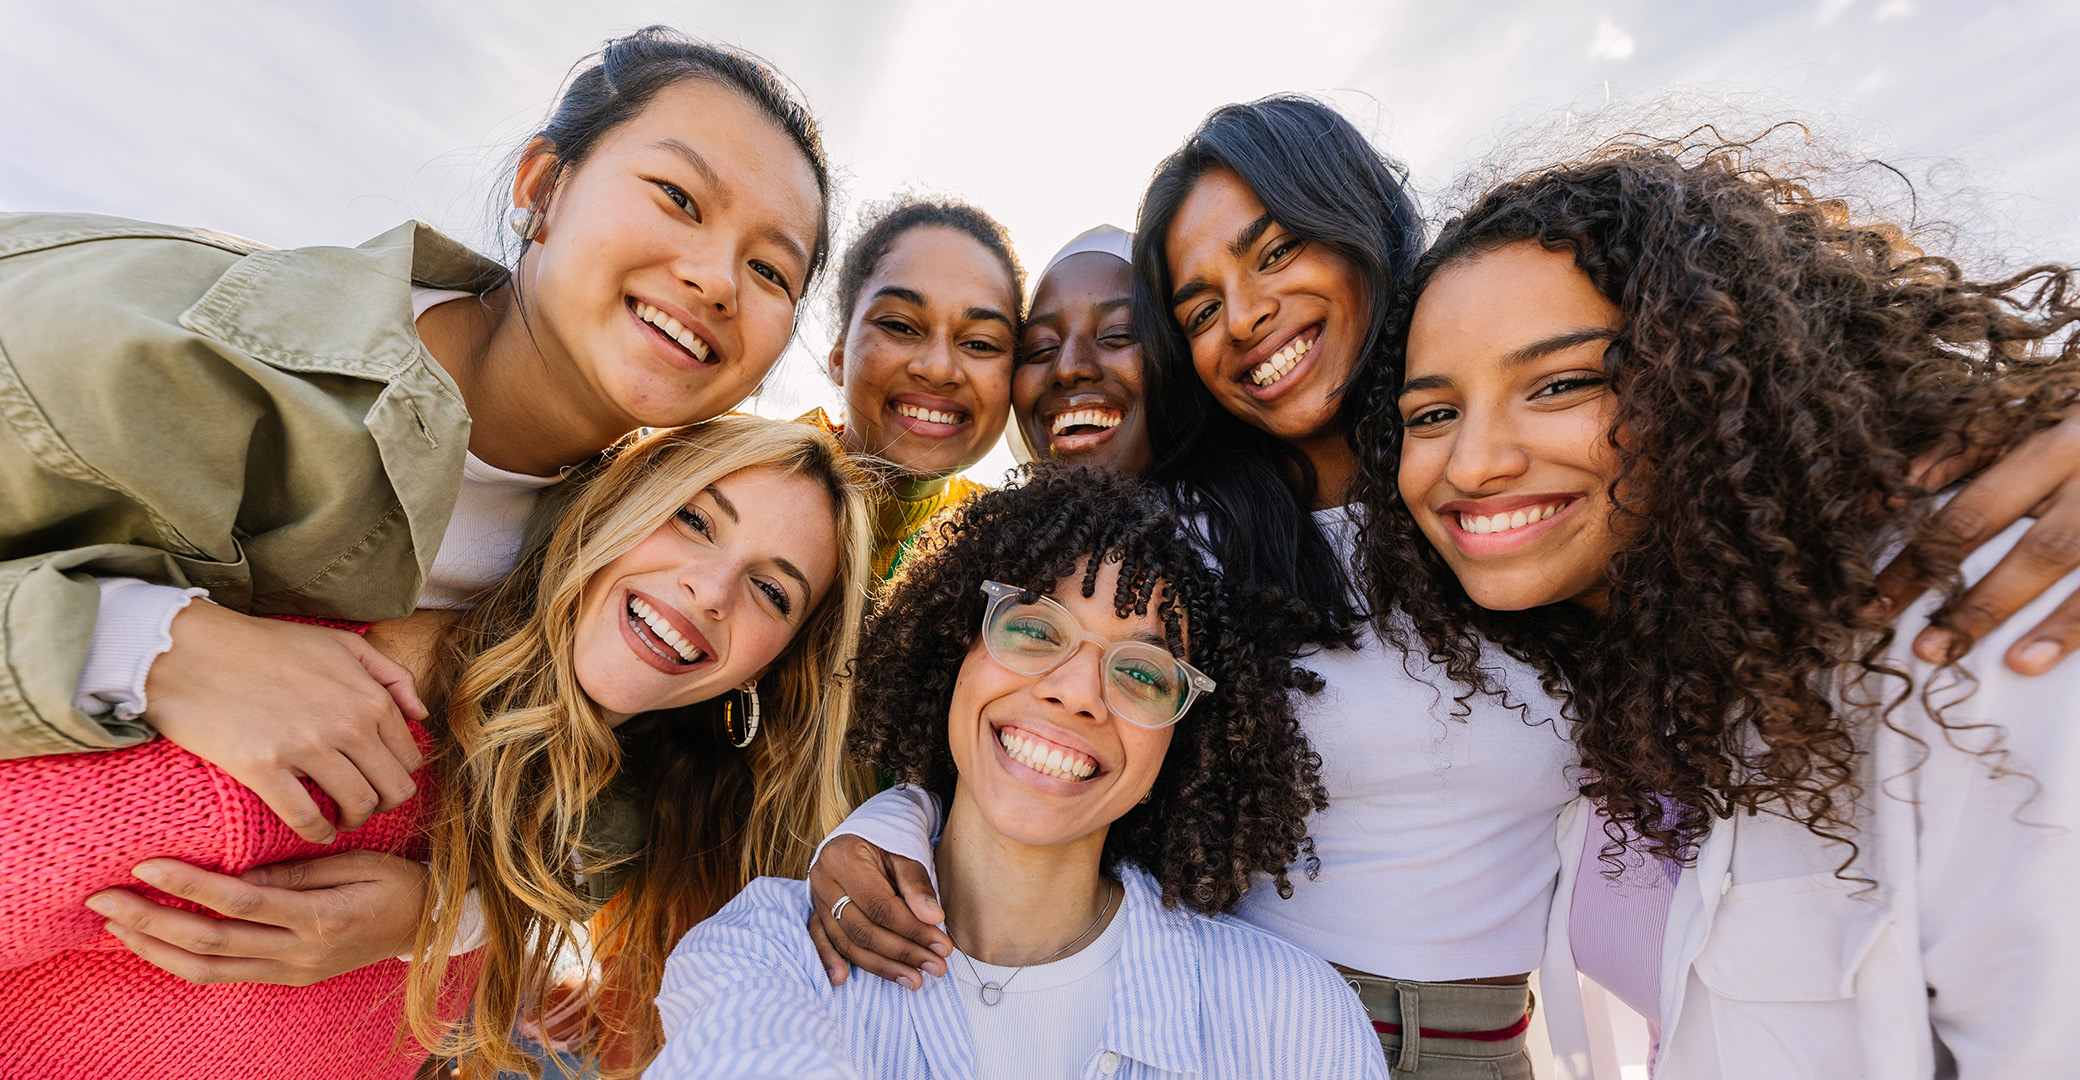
<point x="1098" y="417"/>
<point x="927" y="416"/>
<point x="1281" y="363"/>
<point x="662" y="637"/>
<point x="1501" y="526"/>
<point x="1046" y="757"/>
<point x="675" y="335"/>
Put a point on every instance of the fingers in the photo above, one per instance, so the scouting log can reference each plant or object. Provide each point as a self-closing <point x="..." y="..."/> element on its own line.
<point x="221" y="893"/>
<point x="2050" y="642"/>
<point x="194" y="967"/>
<point x="915" y="887"/>
<point x="187" y="931"/>
<point x="343" y="779"/>
<point x="834" y="965"/>
<point x="2047" y="552"/>
<point x="859" y="935"/>
<point x="332" y="871"/>
<point x="1945" y="463"/>
<point x="290" y="802"/>
<point x="382" y="773"/>
<point x="395" y="679"/>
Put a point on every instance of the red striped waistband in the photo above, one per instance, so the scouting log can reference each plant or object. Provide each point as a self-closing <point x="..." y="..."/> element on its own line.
<point x="1522" y="1025"/>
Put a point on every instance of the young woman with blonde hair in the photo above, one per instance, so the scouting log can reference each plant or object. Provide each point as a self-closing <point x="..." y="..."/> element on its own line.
<point x="646" y="709"/>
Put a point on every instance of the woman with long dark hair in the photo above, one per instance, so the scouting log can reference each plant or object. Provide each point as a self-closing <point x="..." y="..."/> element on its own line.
<point x="1268" y="251"/>
<point x="1656" y="437"/>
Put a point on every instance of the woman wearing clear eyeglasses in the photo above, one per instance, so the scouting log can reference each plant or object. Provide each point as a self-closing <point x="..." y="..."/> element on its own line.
<point x="1115" y="744"/>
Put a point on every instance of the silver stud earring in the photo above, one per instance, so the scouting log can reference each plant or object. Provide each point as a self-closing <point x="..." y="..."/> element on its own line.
<point x="524" y="222"/>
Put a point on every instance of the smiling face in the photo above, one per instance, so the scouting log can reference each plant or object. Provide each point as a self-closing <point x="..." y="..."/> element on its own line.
<point x="662" y="285"/>
<point x="1507" y="461"/>
<point x="925" y="362"/>
<point x="1275" y="322"/>
<point x="711" y="597"/>
<point x="1041" y="758"/>
<point x="1077" y="387"/>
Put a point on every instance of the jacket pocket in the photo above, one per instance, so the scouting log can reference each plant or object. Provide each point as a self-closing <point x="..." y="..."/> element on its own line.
<point x="1793" y="939"/>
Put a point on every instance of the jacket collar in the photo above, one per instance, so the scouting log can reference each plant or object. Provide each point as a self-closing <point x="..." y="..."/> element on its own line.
<point x="348" y="311"/>
<point x="1154" y="1017"/>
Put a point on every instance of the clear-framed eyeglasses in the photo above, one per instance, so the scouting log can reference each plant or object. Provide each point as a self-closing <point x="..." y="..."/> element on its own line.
<point x="1145" y="684"/>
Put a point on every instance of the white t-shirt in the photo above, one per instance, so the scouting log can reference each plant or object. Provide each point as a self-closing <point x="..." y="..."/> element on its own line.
<point x="1437" y="855"/>
<point x="1051" y="1016"/>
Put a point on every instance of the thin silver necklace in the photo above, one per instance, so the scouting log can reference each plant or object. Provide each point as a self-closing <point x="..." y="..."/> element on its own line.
<point x="993" y="992"/>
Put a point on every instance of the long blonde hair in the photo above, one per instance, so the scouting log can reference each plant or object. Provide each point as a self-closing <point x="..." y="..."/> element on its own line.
<point x="527" y="761"/>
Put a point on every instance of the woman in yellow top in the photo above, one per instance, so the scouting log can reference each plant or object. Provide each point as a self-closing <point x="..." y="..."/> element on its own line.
<point x="929" y="298"/>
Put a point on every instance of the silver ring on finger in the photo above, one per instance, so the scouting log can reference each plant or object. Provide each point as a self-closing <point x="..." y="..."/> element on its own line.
<point x="838" y="908"/>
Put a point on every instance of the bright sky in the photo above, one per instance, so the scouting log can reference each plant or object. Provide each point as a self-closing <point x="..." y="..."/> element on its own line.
<point x="326" y="123"/>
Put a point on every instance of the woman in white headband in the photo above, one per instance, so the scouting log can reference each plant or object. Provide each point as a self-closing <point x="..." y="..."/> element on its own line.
<point x="1076" y="393"/>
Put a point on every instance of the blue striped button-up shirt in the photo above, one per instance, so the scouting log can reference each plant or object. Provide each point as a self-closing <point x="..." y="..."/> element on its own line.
<point x="744" y="995"/>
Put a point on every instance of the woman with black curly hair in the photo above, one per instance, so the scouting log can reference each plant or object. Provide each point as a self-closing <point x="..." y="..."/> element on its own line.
<point x="1114" y="741"/>
<point x="1656" y="437"/>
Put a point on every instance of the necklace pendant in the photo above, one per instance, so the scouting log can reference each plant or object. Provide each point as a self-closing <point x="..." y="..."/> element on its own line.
<point x="992" y="993"/>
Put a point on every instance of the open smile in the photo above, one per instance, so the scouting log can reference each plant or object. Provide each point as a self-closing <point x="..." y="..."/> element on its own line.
<point x="932" y="418"/>
<point x="662" y="637"/>
<point x="1046" y="759"/>
<point x="1492" y="529"/>
<point x="684" y="344"/>
<point x="1268" y="377"/>
<point x="1082" y="427"/>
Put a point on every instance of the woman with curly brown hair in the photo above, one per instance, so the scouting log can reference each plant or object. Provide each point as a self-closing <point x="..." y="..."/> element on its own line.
<point x="1115" y="742"/>
<point x="1656" y="437"/>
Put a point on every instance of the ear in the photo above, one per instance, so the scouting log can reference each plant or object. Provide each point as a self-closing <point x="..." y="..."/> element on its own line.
<point x="536" y="180"/>
<point x="836" y="363"/>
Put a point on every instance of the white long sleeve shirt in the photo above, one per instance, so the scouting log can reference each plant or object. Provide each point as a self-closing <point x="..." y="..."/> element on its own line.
<point x="1958" y="949"/>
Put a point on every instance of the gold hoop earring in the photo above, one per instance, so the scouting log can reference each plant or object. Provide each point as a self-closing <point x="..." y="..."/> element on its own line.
<point x="729" y="730"/>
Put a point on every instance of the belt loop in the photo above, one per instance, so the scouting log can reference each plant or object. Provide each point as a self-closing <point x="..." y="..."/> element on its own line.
<point x="1411" y="1026"/>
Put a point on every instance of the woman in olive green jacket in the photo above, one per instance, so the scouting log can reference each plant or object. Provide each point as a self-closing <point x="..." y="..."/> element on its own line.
<point x="291" y="430"/>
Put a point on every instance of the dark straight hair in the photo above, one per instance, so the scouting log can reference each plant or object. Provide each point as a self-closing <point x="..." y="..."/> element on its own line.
<point x="611" y="86"/>
<point x="1316" y="175"/>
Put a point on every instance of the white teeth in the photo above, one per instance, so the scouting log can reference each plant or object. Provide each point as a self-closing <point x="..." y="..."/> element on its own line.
<point x="1504" y="522"/>
<point x="1101" y="418"/>
<point x="1282" y="361"/>
<point x="930" y="416"/>
<point x="1055" y="762"/>
<point x="672" y="329"/>
<point x="663" y="629"/>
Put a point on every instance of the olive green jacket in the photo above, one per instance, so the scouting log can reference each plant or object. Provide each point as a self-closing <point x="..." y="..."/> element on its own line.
<point x="198" y="410"/>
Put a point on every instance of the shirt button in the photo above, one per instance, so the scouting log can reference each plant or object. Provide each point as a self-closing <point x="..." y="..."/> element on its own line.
<point x="1108" y="1063"/>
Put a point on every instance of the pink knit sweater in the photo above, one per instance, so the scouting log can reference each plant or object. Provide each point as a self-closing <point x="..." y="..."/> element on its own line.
<point x="75" y="1003"/>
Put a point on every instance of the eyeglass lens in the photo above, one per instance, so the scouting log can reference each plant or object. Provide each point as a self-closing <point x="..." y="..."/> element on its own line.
<point x="1142" y="682"/>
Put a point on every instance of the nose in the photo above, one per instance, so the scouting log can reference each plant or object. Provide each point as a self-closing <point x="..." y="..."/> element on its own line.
<point x="1486" y="451"/>
<point x="1078" y="685"/>
<point x="709" y="588"/>
<point x="710" y="271"/>
<point x="934" y="363"/>
<point x="1077" y="362"/>
<point x="1248" y="309"/>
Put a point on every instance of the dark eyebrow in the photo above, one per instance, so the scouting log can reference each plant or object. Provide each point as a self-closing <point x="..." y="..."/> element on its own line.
<point x="1557" y="343"/>
<point x="1190" y="289"/>
<point x="789" y="569"/>
<point x="722" y="501"/>
<point x="792" y="246"/>
<point x="1152" y="638"/>
<point x="1249" y="235"/>
<point x="908" y="296"/>
<point x="693" y="157"/>
<point x="989" y="313"/>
